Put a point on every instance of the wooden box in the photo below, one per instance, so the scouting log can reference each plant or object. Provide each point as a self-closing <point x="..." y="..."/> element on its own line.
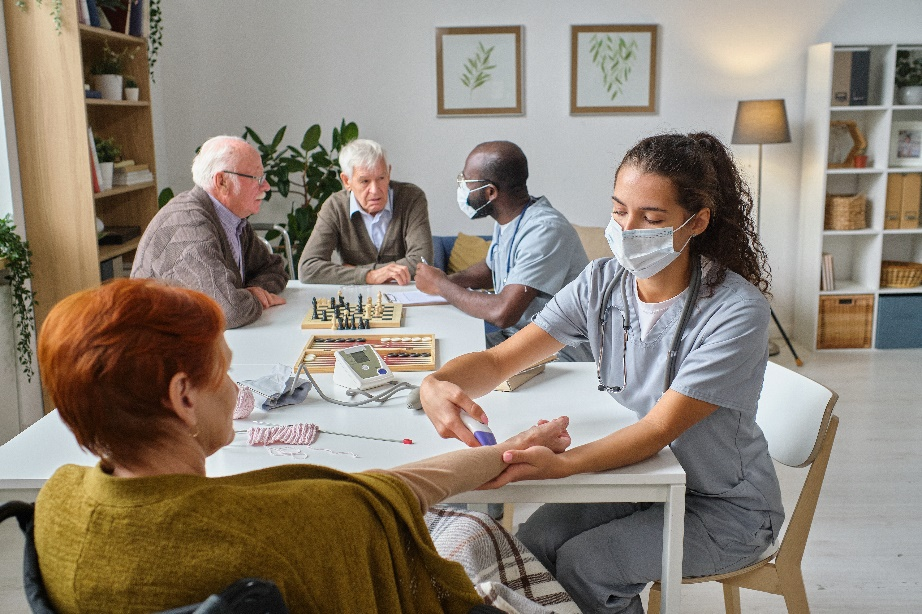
<point x="845" y="321"/>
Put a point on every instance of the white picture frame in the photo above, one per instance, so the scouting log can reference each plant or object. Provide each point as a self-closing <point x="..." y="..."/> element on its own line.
<point x="906" y="143"/>
<point x="479" y="70"/>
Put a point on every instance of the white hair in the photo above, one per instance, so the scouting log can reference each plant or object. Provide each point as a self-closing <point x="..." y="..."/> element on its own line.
<point x="219" y="153"/>
<point x="363" y="153"/>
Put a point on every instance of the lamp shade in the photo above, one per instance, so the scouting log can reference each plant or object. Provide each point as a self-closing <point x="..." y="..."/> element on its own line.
<point x="761" y="121"/>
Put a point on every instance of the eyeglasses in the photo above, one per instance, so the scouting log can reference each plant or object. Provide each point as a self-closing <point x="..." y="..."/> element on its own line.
<point x="598" y="364"/>
<point x="462" y="180"/>
<point x="260" y="180"/>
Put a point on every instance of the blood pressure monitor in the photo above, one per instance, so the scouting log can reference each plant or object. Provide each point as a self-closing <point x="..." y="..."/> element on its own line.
<point x="360" y="367"/>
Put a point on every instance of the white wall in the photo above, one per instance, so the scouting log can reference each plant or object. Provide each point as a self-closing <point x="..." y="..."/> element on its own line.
<point x="299" y="62"/>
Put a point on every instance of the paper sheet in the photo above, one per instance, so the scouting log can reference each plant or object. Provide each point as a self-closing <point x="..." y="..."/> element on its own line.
<point x="415" y="297"/>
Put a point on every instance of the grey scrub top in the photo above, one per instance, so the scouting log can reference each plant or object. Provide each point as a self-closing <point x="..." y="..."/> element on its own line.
<point x="543" y="253"/>
<point x="721" y="360"/>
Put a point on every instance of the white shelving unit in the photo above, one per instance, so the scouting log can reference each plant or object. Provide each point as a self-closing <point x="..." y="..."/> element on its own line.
<point x="857" y="254"/>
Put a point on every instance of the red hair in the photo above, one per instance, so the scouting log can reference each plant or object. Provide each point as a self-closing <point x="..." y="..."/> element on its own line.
<point x="107" y="357"/>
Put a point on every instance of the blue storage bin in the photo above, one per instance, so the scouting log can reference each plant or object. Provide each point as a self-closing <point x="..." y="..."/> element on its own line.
<point x="899" y="321"/>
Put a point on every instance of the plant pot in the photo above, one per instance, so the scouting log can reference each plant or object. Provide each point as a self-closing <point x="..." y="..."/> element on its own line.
<point x="911" y="94"/>
<point x="105" y="171"/>
<point x="109" y="85"/>
<point x="131" y="93"/>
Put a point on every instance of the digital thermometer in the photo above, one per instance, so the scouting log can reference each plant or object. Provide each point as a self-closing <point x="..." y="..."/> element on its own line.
<point x="482" y="432"/>
<point x="360" y="368"/>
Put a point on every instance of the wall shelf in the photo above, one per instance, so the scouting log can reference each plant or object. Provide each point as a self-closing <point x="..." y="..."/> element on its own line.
<point x="857" y="254"/>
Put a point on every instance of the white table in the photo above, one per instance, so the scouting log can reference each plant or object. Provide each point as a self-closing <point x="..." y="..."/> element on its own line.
<point x="563" y="389"/>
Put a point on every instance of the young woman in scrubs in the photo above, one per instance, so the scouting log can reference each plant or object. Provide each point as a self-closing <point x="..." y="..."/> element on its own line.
<point x="689" y="274"/>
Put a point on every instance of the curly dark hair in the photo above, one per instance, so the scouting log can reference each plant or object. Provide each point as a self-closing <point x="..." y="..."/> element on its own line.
<point x="703" y="172"/>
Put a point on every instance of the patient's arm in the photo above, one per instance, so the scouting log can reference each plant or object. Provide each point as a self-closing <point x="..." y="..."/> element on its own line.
<point x="434" y="479"/>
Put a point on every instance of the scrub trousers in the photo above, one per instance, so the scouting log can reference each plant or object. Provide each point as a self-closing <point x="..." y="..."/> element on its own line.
<point x="604" y="554"/>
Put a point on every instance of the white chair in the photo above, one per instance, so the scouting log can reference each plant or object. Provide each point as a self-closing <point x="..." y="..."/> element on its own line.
<point x="795" y="413"/>
<point x="285" y="243"/>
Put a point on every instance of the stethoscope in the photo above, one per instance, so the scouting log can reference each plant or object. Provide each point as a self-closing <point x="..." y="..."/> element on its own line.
<point x="694" y="286"/>
<point x="515" y="231"/>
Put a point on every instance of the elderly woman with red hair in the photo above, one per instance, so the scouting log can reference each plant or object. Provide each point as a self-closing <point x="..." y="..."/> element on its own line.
<point x="138" y="371"/>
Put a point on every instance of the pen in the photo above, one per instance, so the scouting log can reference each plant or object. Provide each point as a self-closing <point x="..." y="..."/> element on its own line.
<point x="424" y="260"/>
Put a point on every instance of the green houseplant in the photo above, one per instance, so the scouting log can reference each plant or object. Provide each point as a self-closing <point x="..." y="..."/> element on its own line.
<point x="908" y="77"/>
<point x="19" y="266"/>
<point x="132" y="91"/>
<point x="310" y="172"/>
<point x="108" y="153"/>
<point x="107" y="71"/>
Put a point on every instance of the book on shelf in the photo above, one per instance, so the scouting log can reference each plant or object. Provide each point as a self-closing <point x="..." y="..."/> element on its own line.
<point x="132" y="178"/>
<point x="827" y="274"/>
<point x="94" y="161"/>
<point x="117" y="235"/>
<point x="92" y="13"/>
<point x="117" y="18"/>
<point x="135" y="17"/>
<point x="851" y="67"/>
<point x="122" y="164"/>
<point x="83" y="13"/>
<point x="129" y="168"/>
<point x="909" y="204"/>
<point x="894" y="202"/>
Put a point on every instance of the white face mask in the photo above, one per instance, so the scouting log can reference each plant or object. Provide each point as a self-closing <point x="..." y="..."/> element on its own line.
<point x="463" y="193"/>
<point x="643" y="252"/>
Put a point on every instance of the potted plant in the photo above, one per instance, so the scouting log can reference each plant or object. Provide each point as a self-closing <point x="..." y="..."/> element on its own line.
<point x="108" y="153"/>
<point x="908" y="77"/>
<point x="131" y="88"/>
<point x="107" y="71"/>
<point x="311" y="172"/>
<point x="16" y="261"/>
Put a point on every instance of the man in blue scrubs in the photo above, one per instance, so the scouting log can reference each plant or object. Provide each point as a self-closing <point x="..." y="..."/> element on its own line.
<point x="534" y="253"/>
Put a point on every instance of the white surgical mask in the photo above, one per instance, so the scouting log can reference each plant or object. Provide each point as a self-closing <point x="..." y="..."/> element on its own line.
<point x="463" y="193"/>
<point x="643" y="252"/>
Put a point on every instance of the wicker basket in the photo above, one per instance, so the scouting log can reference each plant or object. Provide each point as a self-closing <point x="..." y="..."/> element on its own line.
<point x="846" y="212"/>
<point x="895" y="274"/>
<point x="845" y="321"/>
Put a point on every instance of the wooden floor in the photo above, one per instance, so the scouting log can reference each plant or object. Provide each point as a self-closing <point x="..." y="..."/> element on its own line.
<point x="865" y="550"/>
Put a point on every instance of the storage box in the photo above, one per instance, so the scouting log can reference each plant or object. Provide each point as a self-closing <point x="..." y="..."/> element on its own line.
<point x="845" y="212"/>
<point x="899" y="321"/>
<point x="845" y="321"/>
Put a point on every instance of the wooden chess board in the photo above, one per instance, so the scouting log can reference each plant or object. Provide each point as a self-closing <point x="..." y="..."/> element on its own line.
<point x="383" y="315"/>
<point x="414" y="352"/>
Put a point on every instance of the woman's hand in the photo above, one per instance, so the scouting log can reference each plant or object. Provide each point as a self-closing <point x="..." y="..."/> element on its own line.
<point x="442" y="402"/>
<point x="533" y="454"/>
<point x="535" y="463"/>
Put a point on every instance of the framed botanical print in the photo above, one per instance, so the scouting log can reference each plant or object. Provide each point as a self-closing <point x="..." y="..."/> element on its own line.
<point x="479" y="70"/>
<point x="613" y="69"/>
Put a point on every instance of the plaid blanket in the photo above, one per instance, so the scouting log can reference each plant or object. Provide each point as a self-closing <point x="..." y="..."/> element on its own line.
<point x="503" y="571"/>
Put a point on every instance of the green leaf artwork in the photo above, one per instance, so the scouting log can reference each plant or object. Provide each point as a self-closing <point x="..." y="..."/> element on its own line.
<point x="477" y="69"/>
<point x="615" y="60"/>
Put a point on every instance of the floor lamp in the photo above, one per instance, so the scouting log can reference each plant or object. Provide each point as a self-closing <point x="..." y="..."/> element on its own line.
<point x="760" y="122"/>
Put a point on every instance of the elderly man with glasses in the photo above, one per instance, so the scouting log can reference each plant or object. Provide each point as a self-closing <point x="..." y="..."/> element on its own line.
<point x="202" y="240"/>
<point x="378" y="227"/>
<point x="534" y="253"/>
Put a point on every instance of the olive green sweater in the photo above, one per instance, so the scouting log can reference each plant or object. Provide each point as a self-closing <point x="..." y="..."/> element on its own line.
<point x="331" y="541"/>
